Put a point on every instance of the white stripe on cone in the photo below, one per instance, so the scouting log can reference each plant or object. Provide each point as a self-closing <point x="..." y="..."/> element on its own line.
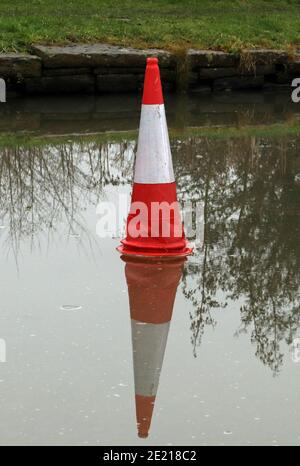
<point x="149" y="343"/>
<point x="153" y="162"/>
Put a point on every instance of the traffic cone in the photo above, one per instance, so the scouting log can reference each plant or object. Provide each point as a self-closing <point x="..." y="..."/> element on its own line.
<point x="154" y="226"/>
<point x="152" y="289"/>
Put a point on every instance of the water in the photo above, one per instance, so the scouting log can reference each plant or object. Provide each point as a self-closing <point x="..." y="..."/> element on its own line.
<point x="76" y="354"/>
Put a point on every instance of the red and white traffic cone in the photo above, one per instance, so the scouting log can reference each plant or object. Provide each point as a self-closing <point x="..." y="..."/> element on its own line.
<point x="154" y="226"/>
<point x="152" y="289"/>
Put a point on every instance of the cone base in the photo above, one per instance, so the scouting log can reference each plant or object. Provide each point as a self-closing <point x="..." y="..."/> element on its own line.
<point x="128" y="252"/>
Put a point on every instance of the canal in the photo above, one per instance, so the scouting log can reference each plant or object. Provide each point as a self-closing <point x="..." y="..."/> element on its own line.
<point x="220" y="355"/>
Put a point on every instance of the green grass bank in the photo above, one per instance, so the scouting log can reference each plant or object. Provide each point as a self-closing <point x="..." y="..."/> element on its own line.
<point x="219" y="24"/>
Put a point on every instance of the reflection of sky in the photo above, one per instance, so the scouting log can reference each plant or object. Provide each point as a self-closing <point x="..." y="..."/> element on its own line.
<point x="69" y="375"/>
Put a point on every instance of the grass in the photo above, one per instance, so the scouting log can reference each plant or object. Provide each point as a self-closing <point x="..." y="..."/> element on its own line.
<point x="172" y="24"/>
<point x="268" y="131"/>
<point x="11" y="140"/>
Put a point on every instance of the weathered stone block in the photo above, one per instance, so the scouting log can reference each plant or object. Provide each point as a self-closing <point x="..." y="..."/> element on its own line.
<point x="99" y="55"/>
<point x="277" y="87"/>
<point x="239" y="82"/>
<point x="66" y="71"/>
<point x="104" y="70"/>
<point x="118" y="83"/>
<point x="166" y="73"/>
<point x="19" y="65"/>
<point x="263" y="57"/>
<point x="293" y="68"/>
<point x="216" y="73"/>
<point x="296" y="58"/>
<point x="192" y="78"/>
<point x="260" y="70"/>
<point x="283" y="78"/>
<point x="60" y="84"/>
<point x="210" y="58"/>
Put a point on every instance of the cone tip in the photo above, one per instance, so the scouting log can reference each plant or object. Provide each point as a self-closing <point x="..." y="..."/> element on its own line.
<point x="144" y="409"/>
<point x="152" y="61"/>
<point x="152" y="94"/>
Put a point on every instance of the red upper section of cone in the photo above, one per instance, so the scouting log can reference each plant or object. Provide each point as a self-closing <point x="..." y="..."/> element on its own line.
<point x="152" y="86"/>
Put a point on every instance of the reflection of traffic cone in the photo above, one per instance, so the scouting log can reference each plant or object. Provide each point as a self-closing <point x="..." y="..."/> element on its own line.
<point x="152" y="288"/>
<point x="154" y="226"/>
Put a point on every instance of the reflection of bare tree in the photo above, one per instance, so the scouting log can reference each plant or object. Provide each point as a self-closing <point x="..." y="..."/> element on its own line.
<point x="266" y="254"/>
<point x="251" y="248"/>
<point x="202" y="293"/>
<point x="43" y="187"/>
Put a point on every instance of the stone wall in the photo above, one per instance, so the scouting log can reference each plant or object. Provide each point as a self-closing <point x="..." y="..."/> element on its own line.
<point x="101" y="68"/>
